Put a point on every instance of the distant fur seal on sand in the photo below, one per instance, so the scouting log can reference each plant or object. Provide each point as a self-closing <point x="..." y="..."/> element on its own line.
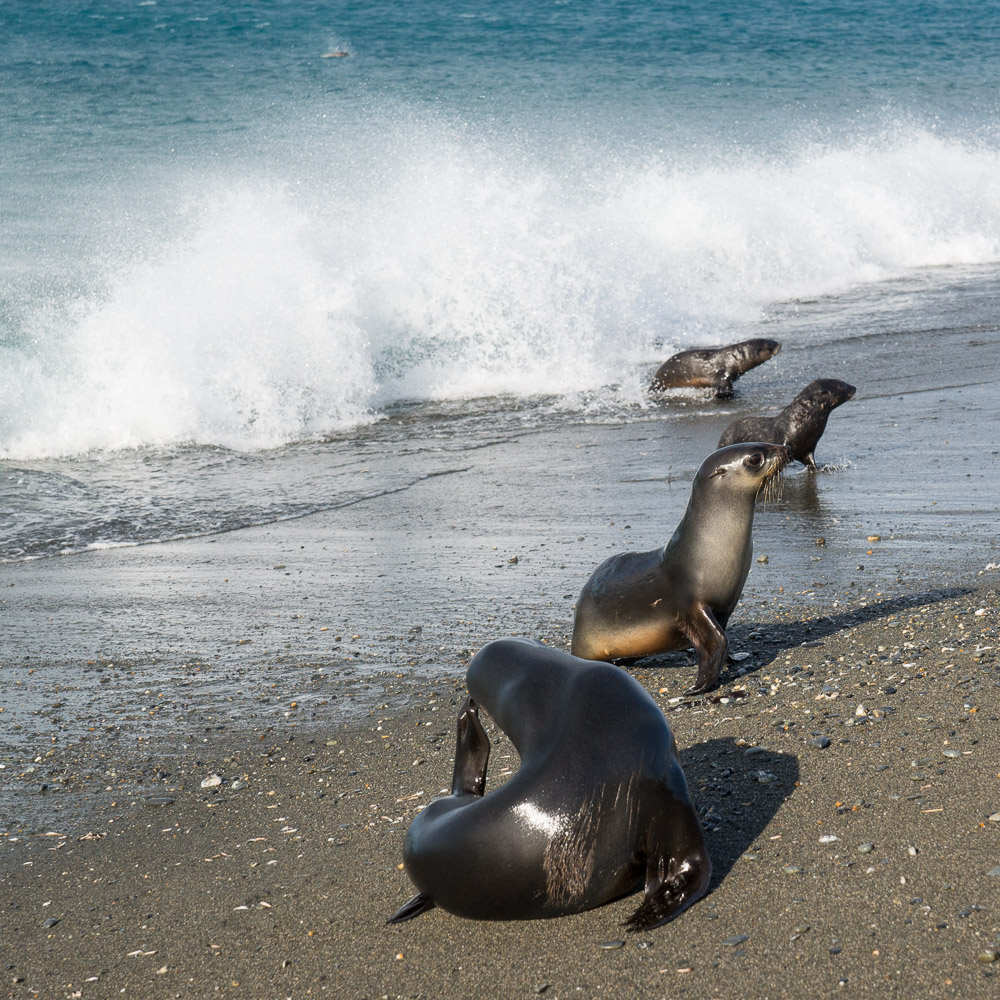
<point x="800" y="425"/>
<point x="638" y="603"/>
<point x="713" y="367"/>
<point x="598" y="806"/>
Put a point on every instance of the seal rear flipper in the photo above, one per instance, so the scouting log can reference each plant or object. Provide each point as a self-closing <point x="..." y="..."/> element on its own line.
<point x="472" y="752"/>
<point x="711" y="645"/>
<point x="669" y="895"/>
<point x="411" y="908"/>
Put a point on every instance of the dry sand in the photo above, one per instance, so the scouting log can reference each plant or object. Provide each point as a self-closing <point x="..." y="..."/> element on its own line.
<point x="277" y="882"/>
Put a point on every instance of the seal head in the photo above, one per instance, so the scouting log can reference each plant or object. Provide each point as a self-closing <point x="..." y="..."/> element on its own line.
<point x="598" y="807"/>
<point x="715" y="368"/>
<point x="680" y="595"/>
<point x="799" y="425"/>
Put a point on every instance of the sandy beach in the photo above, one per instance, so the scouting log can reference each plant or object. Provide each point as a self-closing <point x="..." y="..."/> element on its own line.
<point x="863" y="867"/>
<point x="315" y="666"/>
<point x="317" y="375"/>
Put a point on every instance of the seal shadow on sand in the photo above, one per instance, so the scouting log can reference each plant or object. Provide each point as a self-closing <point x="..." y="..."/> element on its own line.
<point x="782" y="637"/>
<point x="733" y="803"/>
<point x="779" y="637"/>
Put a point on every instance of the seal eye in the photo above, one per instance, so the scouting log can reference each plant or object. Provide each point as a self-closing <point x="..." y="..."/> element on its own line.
<point x="754" y="460"/>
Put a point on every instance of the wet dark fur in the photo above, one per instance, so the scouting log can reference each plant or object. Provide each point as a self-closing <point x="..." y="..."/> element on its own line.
<point x="715" y="368"/>
<point x="598" y="807"/>
<point x="800" y="425"/>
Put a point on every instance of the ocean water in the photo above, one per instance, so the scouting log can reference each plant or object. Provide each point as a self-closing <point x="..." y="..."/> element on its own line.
<point x="245" y="279"/>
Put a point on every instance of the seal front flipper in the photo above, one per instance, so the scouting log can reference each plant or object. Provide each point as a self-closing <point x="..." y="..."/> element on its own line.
<point x="670" y="890"/>
<point x="723" y="386"/>
<point x="472" y="753"/>
<point x="711" y="645"/>
<point x="411" y="908"/>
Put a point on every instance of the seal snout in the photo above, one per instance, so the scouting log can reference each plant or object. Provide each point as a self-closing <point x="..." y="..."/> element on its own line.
<point x="776" y="457"/>
<point x="780" y="456"/>
<point x="769" y="485"/>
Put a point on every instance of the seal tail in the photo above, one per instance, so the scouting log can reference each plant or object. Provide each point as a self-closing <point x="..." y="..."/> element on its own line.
<point x="411" y="908"/>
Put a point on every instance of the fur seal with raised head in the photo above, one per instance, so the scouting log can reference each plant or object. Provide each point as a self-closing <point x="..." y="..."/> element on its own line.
<point x="799" y="425"/>
<point x="680" y="595"/>
<point x="598" y="807"/>
<point x="712" y="367"/>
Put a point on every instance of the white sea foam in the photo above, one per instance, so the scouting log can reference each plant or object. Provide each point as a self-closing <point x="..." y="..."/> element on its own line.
<point x="426" y="263"/>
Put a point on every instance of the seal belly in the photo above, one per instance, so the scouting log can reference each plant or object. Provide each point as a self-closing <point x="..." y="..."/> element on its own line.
<point x="597" y="640"/>
<point x="610" y="622"/>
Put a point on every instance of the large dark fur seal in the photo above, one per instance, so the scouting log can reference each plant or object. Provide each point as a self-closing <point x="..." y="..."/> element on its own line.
<point x="800" y="425"/>
<point x="598" y="806"/>
<point x="713" y="367"/>
<point x="638" y="603"/>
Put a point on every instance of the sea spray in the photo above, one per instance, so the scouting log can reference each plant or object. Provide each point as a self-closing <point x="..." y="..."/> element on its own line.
<point x="282" y="306"/>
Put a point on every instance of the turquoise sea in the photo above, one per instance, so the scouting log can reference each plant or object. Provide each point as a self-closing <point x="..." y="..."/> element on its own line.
<point x="254" y="252"/>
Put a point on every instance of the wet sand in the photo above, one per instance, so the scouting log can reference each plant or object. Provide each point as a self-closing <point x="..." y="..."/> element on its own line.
<point x="319" y="663"/>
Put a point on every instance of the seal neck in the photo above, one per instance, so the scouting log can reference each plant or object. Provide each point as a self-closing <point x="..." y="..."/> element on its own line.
<point x="714" y="519"/>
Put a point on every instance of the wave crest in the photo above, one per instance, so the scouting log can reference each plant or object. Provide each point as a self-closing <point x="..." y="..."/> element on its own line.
<point x="427" y="264"/>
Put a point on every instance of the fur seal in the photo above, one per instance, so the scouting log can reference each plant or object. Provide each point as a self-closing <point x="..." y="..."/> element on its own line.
<point x="800" y="425"/>
<point x="713" y="367"/>
<point x="638" y="603"/>
<point x="598" y="805"/>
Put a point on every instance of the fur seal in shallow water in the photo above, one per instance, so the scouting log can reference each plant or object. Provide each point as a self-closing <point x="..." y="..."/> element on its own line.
<point x="598" y="806"/>
<point x="638" y="603"/>
<point x="799" y="425"/>
<point x="713" y="367"/>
